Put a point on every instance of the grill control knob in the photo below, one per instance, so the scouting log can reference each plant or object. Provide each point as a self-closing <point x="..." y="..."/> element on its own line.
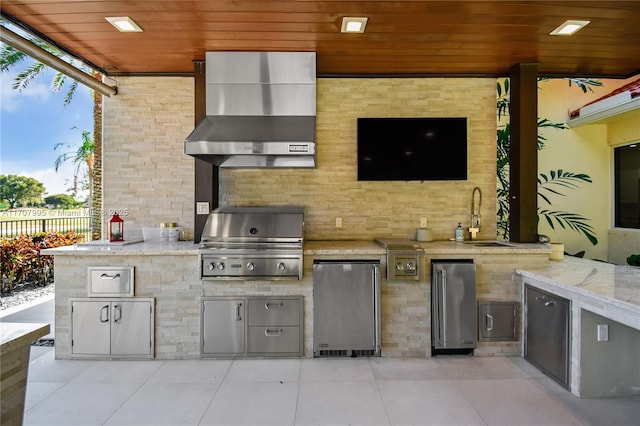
<point x="251" y="266"/>
<point x="211" y="266"/>
<point x="399" y="266"/>
<point x="221" y="266"/>
<point x="281" y="266"/>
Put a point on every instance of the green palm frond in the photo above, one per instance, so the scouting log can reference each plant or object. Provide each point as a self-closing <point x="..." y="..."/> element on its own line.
<point x="10" y="57"/>
<point x="26" y="76"/>
<point x="571" y="221"/>
<point x="559" y="179"/>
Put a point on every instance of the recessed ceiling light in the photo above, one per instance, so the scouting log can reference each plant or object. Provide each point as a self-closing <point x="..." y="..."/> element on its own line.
<point x="124" y="24"/>
<point x="353" y="25"/>
<point x="569" y="27"/>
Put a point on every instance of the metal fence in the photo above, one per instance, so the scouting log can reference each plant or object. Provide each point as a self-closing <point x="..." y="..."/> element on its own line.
<point x="77" y="224"/>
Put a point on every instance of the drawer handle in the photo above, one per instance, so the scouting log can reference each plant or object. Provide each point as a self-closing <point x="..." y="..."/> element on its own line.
<point x="269" y="305"/>
<point x="273" y="333"/>
<point x="109" y="277"/>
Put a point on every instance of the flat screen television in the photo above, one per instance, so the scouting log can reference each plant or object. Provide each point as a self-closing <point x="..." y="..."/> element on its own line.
<point x="422" y="149"/>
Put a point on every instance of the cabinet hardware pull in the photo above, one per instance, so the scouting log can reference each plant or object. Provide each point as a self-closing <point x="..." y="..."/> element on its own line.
<point x="238" y="317"/>
<point x="117" y="309"/>
<point x="489" y="322"/>
<point x="545" y="301"/>
<point x="272" y="332"/>
<point x="269" y="305"/>
<point x="104" y="309"/>
<point x="109" y="277"/>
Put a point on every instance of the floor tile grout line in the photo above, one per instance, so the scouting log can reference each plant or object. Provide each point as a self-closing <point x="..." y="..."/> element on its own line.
<point x="295" y="412"/>
<point x="455" y="383"/>
<point x="133" y="393"/>
<point x="213" y="397"/>
<point x="375" y="380"/>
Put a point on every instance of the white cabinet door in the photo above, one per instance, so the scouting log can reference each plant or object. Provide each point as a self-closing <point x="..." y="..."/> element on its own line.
<point x="223" y="326"/>
<point x="131" y="328"/>
<point x="91" y="327"/>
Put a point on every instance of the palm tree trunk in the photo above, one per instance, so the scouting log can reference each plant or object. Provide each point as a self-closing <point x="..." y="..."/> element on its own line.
<point x="96" y="182"/>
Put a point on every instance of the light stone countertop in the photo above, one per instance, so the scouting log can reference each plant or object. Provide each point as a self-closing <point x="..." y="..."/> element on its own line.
<point x="343" y="247"/>
<point x="311" y="247"/>
<point x="14" y="335"/>
<point x="434" y="247"/>
<point x="176" y="248"/>
<point x="610" y="290"/>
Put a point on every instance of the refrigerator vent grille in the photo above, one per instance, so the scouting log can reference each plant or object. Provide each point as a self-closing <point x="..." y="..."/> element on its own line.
<point x="346" y="353"/>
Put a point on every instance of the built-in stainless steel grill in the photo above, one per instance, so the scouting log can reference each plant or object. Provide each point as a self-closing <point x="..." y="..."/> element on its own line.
<point x="253" y="243"/>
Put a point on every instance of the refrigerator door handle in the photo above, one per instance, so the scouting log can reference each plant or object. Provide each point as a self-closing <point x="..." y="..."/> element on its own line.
<point x="438" y="300"/>
<point x="444" y="305"/>
<point x="376" y="309"/>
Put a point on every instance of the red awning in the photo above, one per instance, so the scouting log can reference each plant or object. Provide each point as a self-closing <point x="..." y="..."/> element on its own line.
<point x="633" y="87"/>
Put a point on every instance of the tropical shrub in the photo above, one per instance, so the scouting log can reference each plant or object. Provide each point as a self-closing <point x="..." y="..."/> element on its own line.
<point x="21" y="261"/>
<point x="634" y="260"/>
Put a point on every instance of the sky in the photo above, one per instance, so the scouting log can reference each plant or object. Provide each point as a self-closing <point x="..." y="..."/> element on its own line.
<point x="33" y="121"/>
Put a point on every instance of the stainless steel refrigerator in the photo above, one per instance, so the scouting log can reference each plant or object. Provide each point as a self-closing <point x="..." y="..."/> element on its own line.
<point x="453" y="305"/>
<point x="346" y="308"/>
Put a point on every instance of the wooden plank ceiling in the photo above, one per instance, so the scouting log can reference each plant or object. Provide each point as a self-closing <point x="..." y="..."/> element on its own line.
<point x="483" y="38"/>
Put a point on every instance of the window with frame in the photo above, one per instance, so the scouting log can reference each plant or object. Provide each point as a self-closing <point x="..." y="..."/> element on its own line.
<point x="627" y="186"/>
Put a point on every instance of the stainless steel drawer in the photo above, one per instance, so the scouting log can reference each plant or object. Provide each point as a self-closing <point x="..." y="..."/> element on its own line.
<point x="110" y="281"/>
<point x="272" y="311"/>
<point x="281" y="340"/>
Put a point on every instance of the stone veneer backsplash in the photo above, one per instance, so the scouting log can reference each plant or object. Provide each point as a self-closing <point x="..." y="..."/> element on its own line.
<point x="146" y="171"/>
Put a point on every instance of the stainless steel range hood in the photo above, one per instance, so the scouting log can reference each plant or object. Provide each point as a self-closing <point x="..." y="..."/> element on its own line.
<point x="261" y="109"/>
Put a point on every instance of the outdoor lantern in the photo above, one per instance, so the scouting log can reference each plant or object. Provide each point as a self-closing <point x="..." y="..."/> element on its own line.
<point x="116" y="228"/>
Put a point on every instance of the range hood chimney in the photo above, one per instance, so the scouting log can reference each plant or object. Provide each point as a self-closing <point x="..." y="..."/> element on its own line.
<point x="260" y="111"/>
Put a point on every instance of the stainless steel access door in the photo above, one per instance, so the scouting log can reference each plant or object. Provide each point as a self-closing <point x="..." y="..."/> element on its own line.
<point x="346" y="306"/>
<point x="130" y="327"/>
<point x="223" y="325"/>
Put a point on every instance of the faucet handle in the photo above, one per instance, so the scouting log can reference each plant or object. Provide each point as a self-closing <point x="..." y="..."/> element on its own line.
<point x="473" y="231"/>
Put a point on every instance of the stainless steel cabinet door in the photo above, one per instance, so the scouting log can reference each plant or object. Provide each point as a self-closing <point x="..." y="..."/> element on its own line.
<point x="91" y="328"/>
<point x="547" y="337"/>
<point x="344" y="312"/>
<point x="130" y="328"/>
<point x="223" y="326"/>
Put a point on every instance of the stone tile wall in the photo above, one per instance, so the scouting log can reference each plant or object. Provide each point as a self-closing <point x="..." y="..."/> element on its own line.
<point x="146" y="172"/>
<point x="383" y="209"/>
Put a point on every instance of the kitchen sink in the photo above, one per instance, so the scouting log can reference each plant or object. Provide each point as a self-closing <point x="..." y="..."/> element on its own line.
<point x="488" y="243"/>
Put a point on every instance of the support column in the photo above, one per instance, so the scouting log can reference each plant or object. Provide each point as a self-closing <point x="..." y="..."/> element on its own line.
<point x="523" y="156"/>
<point x="206" y="174"/>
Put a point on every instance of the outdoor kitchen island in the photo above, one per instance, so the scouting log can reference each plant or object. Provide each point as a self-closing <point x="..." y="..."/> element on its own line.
<point x="604" y="318"/>
<point x="169" y="273"/>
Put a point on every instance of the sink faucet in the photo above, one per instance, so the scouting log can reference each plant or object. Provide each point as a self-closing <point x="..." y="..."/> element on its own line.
<point x="475" y="214"/>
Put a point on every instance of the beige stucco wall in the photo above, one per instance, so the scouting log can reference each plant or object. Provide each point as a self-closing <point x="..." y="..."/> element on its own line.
<point x="146" y="171"/>
<point x="586" y="149"/>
